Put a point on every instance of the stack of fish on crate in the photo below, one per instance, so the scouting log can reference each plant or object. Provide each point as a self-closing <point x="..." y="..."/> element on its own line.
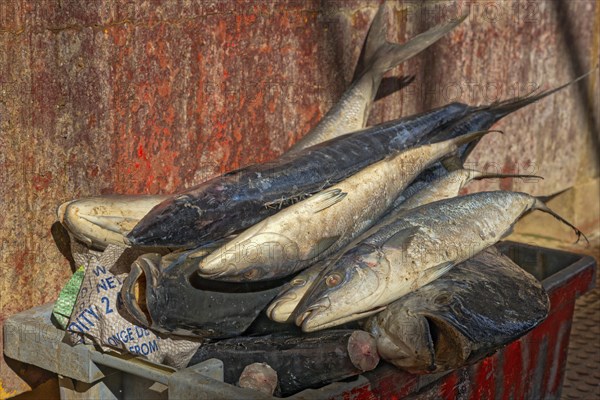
<point x="353" y="245"/>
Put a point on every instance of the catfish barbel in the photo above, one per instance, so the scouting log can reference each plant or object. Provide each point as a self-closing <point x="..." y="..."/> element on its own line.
<point x="410" y="252"/>
<point x="312" y="229"/>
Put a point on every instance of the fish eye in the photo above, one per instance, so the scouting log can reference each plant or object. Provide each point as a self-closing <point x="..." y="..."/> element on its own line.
<point x="182" y="198"/>
<point x="298" y="282"/>
<point x="251" y="274"/>
<point x="333" y="280"/>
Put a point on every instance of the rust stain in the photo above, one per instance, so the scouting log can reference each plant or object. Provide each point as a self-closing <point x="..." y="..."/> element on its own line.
<point x="42" y="181"/>
<point x="116" y="97"/>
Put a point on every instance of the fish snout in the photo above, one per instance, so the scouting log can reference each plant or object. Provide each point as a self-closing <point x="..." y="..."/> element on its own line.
<point x="282" y="308"/>
<point x="213" y="269"/>
<point x="309" y="313"/>
<point x="63" y="210"/>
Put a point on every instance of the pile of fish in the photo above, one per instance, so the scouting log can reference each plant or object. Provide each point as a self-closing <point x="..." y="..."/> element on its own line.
<point x="353" y="245"/>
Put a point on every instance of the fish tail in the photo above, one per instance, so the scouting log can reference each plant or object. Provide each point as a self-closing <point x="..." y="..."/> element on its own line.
<point x="471" y="136"/>
<point x="503" y="108"/>
<point x="539" y="205"/>
<point x="549" y="197"/>
<point x="484" y="175"/>
<point x="380" y="55"/>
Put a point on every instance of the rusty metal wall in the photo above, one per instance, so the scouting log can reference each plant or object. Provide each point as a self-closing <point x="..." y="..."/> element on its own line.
<point x="150" y="97"/>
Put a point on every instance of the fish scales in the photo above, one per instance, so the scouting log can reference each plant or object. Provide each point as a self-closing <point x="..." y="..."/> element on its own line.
<point x="234" y="201"/>
<point x="319" y="226"/>
<point x="417" y="248"/>
<point x="445" y="186"/>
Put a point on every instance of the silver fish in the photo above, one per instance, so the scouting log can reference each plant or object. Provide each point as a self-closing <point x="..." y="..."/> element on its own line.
<point x="449" y="185"/>
<point x="410" y="252"/>
<point x="351" y="112"/>
<point x="103" y="220"/>
<point x="480" y="305"/>
<point x="319" y="226"/>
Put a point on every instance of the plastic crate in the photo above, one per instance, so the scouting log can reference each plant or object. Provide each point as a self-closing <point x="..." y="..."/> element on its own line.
<point x="532" y="367"/>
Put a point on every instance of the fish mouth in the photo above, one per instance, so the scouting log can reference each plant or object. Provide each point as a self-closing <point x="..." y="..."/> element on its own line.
<point x="62" y="210"/>
<point x="136" y="288"/>
<point x="312" y="311"/>
<point x="212" y="272"/>
<point x="280" y="310"/>
<point x="309" y="322"/>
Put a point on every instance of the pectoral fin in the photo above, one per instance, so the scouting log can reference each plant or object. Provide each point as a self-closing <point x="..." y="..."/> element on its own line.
<point x="327" y="198"/>
<point x="431" y="274"/>
<point x="401" y="239"/>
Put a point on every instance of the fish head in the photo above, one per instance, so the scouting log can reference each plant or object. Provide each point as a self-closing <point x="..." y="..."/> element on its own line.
<point x="420" y="332"/>
<point x="184" y="220"/>
<point x="345" y="291"/>
<point x="138" y="290"/>
<point x="282" y="308"/>
<point x="103" y="220"/>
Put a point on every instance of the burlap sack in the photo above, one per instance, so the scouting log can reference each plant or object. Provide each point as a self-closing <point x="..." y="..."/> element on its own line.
<point x="99" y="317"/>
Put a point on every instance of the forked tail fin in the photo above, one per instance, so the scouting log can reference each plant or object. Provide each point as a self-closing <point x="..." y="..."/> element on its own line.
<point x="380" y="55"/>
<point x="539" y="205"/>
<point x="505" y="107"/>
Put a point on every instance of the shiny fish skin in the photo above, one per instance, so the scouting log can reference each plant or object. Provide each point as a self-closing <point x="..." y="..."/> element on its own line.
<point x="351" y="112"/>
<point x="236" y="200"/>
<point x="103" y="220"/>
<point x="479" y="306"/>
<point x="348" y="115"/>
<point x="409" y="253"/>
<point x="446" y="186"/>
<point x="319" y="226"/>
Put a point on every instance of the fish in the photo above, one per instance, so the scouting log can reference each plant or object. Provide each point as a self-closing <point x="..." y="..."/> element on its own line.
<point x="446" y="186"/>
<point x="351" y="112"/>
<point x="300" y="360"/>
<point x="123" y="212"/>
<point x="103" y="220"/>
<point x="449" y="185"/>
<point x="406" y="254"/>
<point x="162" y="295"/>
<point x="319" y="226"/>
<point x="482" y="304"/>
<point x="239" y="199"/>
<point x="485" y="116"/>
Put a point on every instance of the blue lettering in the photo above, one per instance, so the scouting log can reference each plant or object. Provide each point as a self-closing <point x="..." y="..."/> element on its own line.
<point x="99" y="269"/>
<point x="139" y="331"/>
<point x="74" y="326"/>
<point x="90" y="311"/>
<point x="82" y="325"/>
<point x="111" y="282"/>
<point x="153" y="346"/>
<point x="115" y="339"/>
<point x="101" y="284"/>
